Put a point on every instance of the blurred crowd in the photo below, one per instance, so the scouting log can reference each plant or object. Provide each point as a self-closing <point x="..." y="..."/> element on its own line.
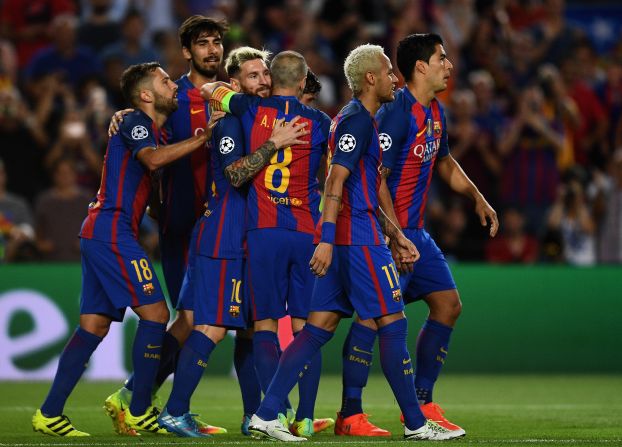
<point x="534" y="111"/>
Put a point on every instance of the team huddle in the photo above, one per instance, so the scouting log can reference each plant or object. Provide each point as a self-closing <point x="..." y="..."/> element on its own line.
<point x="230" y="171"/>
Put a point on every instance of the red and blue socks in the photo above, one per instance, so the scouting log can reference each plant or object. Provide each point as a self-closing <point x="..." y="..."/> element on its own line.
<point x="146" y="355"/>
<point x="71" y="365"/>
<point x="243" y="361"/>
<point x="432" y="346"/>
<point x="304" y="347"/>
<point x="398" y="369"/>
<point x="357" y="354"/>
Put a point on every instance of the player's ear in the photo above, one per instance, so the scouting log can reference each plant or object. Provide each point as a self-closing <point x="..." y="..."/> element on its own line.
<point x="146" y="95"/>
<point x="370" y="78"/>
<point x="186" y="52"/>
<point x="421" y="67"/>
<point x="235" y="85"/>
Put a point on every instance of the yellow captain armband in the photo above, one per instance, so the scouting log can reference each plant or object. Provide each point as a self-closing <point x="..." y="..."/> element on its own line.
<point x="221" y="96"/>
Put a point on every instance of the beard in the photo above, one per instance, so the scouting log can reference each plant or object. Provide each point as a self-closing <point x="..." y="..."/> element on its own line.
<point x="202" y="68"/>
<point x="163" y="105"/>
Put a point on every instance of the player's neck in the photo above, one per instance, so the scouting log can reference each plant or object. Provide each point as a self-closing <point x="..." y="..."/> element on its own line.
<point x="281" y="91"/>
<point x="422" y="95"/>
<point x="158" y="118"/>
<point x="197" y="79"/>
<point x="370" y="101"/>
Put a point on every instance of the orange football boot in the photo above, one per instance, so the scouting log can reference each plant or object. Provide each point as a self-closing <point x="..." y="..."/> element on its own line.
<point x="357" y="425"/>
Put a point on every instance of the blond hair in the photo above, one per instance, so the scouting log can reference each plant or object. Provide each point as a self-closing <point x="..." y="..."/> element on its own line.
<point x="362" y="59"/>
<point x="238" y="56"/>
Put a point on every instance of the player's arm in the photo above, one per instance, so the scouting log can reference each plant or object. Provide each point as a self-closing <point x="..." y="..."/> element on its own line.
<point x="283" y="135"/>
<point x="333" y="190"/>
<point x="218" y="94"/>
<point x="404" y="252"/>
<point x="451" y="172"/>
<point x="155" y="158"/>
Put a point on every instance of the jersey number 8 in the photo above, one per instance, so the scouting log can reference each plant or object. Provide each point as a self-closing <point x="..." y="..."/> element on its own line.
<point x="282" y="167"/>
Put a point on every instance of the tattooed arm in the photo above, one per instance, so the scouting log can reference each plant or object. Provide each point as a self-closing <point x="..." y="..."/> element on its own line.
<point x="283" y="135"/>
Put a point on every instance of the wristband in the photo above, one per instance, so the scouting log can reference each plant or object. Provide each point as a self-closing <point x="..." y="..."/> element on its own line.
<point x="328" y="232"/>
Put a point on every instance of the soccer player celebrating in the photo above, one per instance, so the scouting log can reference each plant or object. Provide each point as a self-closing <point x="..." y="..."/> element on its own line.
<point x="283" y="209"/>
<point x="116" y="273"/>
<point x="353" y="264"/>
<point x="185" y="186"/>
<point x="413" y="137"/>
<point x="213" y="284"/>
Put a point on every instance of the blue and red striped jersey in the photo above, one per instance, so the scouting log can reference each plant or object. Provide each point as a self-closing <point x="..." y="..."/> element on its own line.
<point x="185" y="182"/>
<point x="222" y="226"/>
<point x="353" y="143"/>
<point x="285" y="193"/>
<point x="412" y="137"/>
<point x="115" y="214"/>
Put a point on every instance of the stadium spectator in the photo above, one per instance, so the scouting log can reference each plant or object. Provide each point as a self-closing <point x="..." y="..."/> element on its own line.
<point x="513" y="245"/>
<point x="27" y="24"/>
<point x="59" y="212"/>
<point x="97" y="29"/>
<point x="23" y="143"/>
<point x="131" y="49"/>
<point x="74" y="143"/>
<point x="609" y="207"/>
<point x="65" y="57"/>
<point x="16" y="230"/>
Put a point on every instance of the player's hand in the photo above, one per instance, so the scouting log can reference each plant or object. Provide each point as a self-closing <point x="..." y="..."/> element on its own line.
<point x="288" y="134"/>
<point x="322" y="257"/>
<point x="404" y="253"/>
<point x="487" y="213"/>
<point x="116" y="120"/>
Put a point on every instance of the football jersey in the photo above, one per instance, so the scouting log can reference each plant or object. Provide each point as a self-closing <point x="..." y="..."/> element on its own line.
<point x="353" y="143"/>
<point x="285" y="193"/>
<point x="185" y="182"/>
<point x="221" y="228"/>
<point x="412" y="137"/>
<point x="115" y="214"/>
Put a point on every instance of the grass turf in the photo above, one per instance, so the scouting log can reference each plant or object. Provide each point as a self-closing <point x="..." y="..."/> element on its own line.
<point x="503" y="410"/>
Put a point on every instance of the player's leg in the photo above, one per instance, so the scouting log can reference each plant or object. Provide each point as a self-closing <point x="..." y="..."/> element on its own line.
<point x="244" y="364"/>
<point x="49" y="419"/>
<point x="316" y="333"/>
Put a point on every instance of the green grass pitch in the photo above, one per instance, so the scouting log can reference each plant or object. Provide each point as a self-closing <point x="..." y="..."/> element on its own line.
<point x="504" y="410"/>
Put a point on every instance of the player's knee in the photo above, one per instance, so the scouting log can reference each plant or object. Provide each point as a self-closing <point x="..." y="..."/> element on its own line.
<point x="161" y="314"/>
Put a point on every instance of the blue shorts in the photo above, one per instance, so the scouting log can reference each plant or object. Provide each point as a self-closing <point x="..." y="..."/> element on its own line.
<point x="279" y="279"/>
<point x="114" y="277"/>
<point x="361" y="278"/>
<point x="430" y="273"/>
<point x="174" y="253"/>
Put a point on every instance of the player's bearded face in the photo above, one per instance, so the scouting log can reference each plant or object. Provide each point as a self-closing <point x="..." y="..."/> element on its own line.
<point x="439" y="69"/>
<point x="165" y="104"/>
<point x="386" y="82"/>
<point x="206" y="54"/>
<point x="255" y="78"/>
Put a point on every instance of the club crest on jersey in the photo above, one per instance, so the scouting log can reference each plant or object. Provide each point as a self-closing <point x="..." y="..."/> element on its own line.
<point x="234" y="311"/>
<point x="139" y="133"/>
<point x="347" y="142"/>
<point x="226" y="145"/>
<point x="385" y="141"/>
<point x="148" y="289"/>
<point x="437" y="127"/>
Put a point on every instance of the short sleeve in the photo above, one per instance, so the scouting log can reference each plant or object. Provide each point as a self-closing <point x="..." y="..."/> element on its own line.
<point x="393" y="126"/>
<point x="229" y="140"/>
<point x="352" y="136"/>
<point x="137" y="133"/>
<point x="240" y="104"/>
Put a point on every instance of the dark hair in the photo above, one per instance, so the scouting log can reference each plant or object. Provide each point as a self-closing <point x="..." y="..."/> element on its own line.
<point x="193" y="26"/>
<point x="313" y="85"/>
<point x="133" y="77"/>
<point x="413" y="48"/>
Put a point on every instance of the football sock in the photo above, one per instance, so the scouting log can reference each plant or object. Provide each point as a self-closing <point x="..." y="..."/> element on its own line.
<point x="170" y="349"/>
<point x="192" y="362"/>
<point x="308" y="385"/>
<point x="398" y="369"/>
<point x="304" y="347"/>
<point x="357" y="356"/>
<point x="286" y="403"/>
<point x="432" y="346"/>
<point x="146" y="354"/>
<point x="71" y="366"/>
<point x="265" y="356"/>
<point x="247" y="377"/>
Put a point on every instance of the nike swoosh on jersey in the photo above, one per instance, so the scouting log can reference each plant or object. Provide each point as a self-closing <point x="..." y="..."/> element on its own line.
<point x="421" y="133"/>
<point x="405" y="361"/>
<point x="150" y="346"/>
<point x="194" y="112"/>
